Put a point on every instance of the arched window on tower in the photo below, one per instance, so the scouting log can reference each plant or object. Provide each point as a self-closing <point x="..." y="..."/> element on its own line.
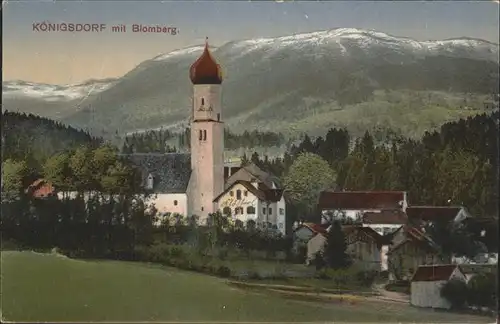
<point x="202" y="101"/>
<point x="204" y="134"/>
<point x="201" y="134"/>
<point x="149" y="184"/>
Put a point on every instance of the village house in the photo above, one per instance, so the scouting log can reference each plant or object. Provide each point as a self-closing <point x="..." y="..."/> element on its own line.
<point x="427" y="282"/>
<point x="385" y="223"/>
<point x="245" y="201"/>
<point x="304" y="232"/>
<point x="364" y="246"/>
<point x="41" y="189"/>
<point x="413" y="249"/>
<point x="354" y="204"/>
<point x="363" y="243"/>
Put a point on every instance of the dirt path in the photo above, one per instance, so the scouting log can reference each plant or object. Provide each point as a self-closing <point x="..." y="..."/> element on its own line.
<point x="390" y="295"/>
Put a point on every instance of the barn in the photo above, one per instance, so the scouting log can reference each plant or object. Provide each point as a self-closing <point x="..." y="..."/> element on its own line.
<point x="427" y="281"/>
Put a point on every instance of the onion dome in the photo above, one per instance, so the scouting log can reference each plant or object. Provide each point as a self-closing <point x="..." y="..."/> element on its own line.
<point x="205" y="69"/>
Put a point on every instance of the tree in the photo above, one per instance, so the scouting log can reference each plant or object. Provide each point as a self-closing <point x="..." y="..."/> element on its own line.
<point x="308" y="176"/>
<point x="455" y="291"/>
<point x="14" y="174"/>
<point x="56" y="169"/>
<point x="482" y="290"/>
<point x="335" y="248"/>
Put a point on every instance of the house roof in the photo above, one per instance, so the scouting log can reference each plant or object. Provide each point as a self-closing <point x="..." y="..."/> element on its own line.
<point x="395" y="216"/>
<point x="171" y="171"/>
<point x="433" y="213"/>
<point x="262" y="193"/>
<point x="359" y="200"/>
<point x="416" y="236"/>
<point x="41" y="188"/>
<point x="433" y="272"/>
<point x="252" y="172"/>
<point x="348" y="229"/>
<point x="317" y="228"/>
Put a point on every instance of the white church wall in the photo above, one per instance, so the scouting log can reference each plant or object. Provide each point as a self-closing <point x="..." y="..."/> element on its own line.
<point x="175" y="203"/>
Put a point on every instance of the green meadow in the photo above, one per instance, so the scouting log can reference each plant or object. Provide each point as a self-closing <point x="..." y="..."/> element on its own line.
<point x="48" y="287"/>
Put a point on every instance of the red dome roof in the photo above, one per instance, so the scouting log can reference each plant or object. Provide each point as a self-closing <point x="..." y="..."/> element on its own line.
<point x="205" y="69"/>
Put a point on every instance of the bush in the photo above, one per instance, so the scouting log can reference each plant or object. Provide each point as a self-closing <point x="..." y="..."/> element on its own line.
<point x="254" y="275"/>
<point x="482" y="290"/>
<point x="224" y="272"/>
<point x="366" y="278"/>
<point x="455" y="291"/>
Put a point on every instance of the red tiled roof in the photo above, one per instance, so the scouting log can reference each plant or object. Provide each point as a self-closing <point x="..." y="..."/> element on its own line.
<point x="394" y="216"/>
<point x="432" y="213"/>
<point x="359" y="200"/>
<point x="433" y="272"/>
<point x="41" y="188"/>
<point x="316" y="228"/>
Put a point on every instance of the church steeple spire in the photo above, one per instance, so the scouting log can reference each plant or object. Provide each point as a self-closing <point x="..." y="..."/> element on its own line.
<point x="205" y="69"/>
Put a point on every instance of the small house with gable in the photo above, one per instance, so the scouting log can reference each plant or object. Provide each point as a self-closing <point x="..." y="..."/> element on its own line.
<point x="414" y="250"/>
<point x="427" y="281"/>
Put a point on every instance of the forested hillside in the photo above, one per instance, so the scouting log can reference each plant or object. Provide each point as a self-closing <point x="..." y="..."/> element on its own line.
<point x="457" y="165"/>
<point x="34" y="139"/>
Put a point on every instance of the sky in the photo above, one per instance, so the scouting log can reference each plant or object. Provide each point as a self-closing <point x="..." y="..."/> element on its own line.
<point x="65" y="58"/>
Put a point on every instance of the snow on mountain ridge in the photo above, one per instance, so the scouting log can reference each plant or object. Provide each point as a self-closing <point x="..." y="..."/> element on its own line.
<point x="52" y="92"/>
<point x="339" y="39"/>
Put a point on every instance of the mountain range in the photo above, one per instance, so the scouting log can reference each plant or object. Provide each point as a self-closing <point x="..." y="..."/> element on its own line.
<point x="309" y="82"/>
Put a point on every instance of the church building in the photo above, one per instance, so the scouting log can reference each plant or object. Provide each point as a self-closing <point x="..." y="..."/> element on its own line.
<point x="198" y="182"/>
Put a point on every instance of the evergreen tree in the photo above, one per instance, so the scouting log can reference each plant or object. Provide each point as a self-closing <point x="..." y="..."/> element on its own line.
<point x="335" y="248"/>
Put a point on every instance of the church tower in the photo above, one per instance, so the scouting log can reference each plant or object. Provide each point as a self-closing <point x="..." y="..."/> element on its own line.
<point x="207" y="135"/>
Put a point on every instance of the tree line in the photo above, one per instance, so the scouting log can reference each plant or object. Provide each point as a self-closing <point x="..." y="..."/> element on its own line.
<point x="165" y="141"/>
<point x="456" y="165"/>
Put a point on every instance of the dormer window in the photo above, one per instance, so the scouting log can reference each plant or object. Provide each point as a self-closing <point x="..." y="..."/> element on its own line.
<point x="150" y="182"/>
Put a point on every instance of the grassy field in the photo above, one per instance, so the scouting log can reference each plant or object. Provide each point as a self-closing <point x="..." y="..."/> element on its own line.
<point x="45" y="287"/>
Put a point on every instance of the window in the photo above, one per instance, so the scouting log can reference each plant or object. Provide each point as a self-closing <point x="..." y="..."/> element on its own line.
<point x="201" y="208"/>
<point x="282" y="211"/>
<point x="238" y="194"/>
<point x="264" y="210"/>
<point x="218" y="117"/>
<point x="226" y="211"/>
<point x="205" y="135"/>
<point x="175" y="202"/>
<point x="245" y="193"/>
<point x="201" y="135"/>
<point x="280" y="225"/>
<point x="202" y="101"/>
<point x="231" y="193"/>
<point x="270" y="211"/>
<point x="251" y="210"/>
<point x="150" y="181"/>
